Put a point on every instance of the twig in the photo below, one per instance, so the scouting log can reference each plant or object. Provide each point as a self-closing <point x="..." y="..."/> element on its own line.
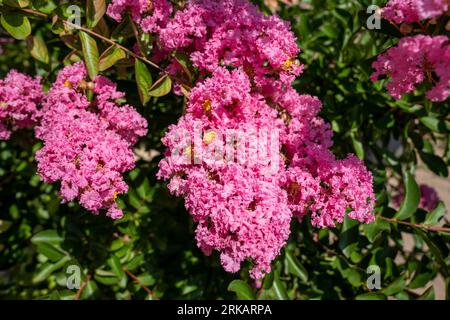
<point x="415" y="225"/>
<point x="99" y="36"/>
<point x="83" y="285"/>
<point x="138" y="282"/>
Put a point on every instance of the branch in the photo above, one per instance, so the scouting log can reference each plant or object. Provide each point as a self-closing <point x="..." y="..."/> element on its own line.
<point x="415" y="225"/>
<point x="99" y="36"/>
<point x="83" y="285"/>
<point x="138" y="282"/>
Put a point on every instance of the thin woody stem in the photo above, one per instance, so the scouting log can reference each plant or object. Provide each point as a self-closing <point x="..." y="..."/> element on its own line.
<point x="99" y="36"/>
<point x="415" y="225"/>
<point x="83" y="286"/>
<point x="138" y="282"/>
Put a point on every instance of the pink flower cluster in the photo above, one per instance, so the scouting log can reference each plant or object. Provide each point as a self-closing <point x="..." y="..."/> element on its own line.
<point x="87" y="144"/>
<point x="152" y="15"/>
<point x="399" y="11"/>
<point x="243" y="205"/>
<point x="20" y="97"/>
<point x="413" y="61"/>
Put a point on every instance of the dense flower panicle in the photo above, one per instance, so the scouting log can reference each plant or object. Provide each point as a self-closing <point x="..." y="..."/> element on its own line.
<point x="20" y="98"/>
<point x="87" y="145"/>
<point x="234" y="33"/>
<point x="242" y="203"/>
<point x="399" y="11"/>
<point x="152" y="15"/>
<point x="413" y="61"/>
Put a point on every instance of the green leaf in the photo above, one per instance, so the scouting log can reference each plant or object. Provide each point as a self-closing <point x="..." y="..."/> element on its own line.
<point x="110" y="56"/>
<point x="433" y="124"/>
<point x="50" y="251"/>
<point x="349" y="236"/>
<point x="161" y="87"/>
<point x="115" y="265"/>
<point x="38" y="48"/>
<point x="95" y="9"/>
<point x="412" y="198"/>
<point x="372" y="230"/>
<point x="146" y="279"/>
<point x="184" y="62"/>
<point x="47" y="236"/>
<point x="295" y="267"/>
<point x="434" y="163"/>
<point x="48" y="268"/>
<point x="242" y="290"/>
<point x="144" y="81"/>
<point x="90" y="291"/>
<point x="358" y="146"/>
<point x="279" y="289"/>
<point x="90" y="53"/>
<point x="371" y="296"/>
<point x="136" y="262"/>
<point x="395" y="287"/>
<point x="16" y="24"/>
<point x="434" y="216"/>
<point x="17" y="3"/>
<point x="107" y="280"/>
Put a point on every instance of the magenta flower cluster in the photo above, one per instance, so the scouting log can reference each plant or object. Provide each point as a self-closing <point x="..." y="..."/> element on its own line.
<point x="20" y="97"/>
<point x="87" y="144"/>
<point x="243" y="206"/>
<point x="399" y="11"/>
<point x="417" y="59"/>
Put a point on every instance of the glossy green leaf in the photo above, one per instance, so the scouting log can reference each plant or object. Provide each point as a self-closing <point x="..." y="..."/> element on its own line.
<point x="110" y="56"/>
<point x="434" y="124"/>
<point x="17" y="3"/>
<point x="143" y="80"/>
<point x="47" y="236"/>
<point x="95" y="9"/>
<point x="434" y="216"/>
<point x="16" y="24"/>
<point x="50" y="251"/>
<point x="161" y="87"/>
<point x="372" y="230"/>
<point x="242" y="290"/>
<point x="295" y="267"/>
<point x="48" y="268"/>
<point x="38" y="48"/>
<point x="412" y="198"/>
<point x="434" y="163"/>
<point x="90" y="53"/>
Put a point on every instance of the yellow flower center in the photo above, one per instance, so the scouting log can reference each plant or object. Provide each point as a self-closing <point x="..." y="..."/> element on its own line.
<point x="289" y="63"/>
<point x="209" y="137"/>
<point x="67" y="83"/>
<point x="207" y="106"/>
<point x="3" y="104"/>
<point x="115" y="196"/>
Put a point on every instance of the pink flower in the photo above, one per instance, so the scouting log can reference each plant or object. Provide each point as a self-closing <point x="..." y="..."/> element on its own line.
<point x="87" y="145"/>
<point x="413" y="61"/>
<point x="399" y="11"/>
<point x="250" y="152"/>
<point x="20" y="99"/>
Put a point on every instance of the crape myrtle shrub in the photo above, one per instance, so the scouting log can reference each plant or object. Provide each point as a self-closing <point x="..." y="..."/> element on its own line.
<point x="97" y="95"/>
